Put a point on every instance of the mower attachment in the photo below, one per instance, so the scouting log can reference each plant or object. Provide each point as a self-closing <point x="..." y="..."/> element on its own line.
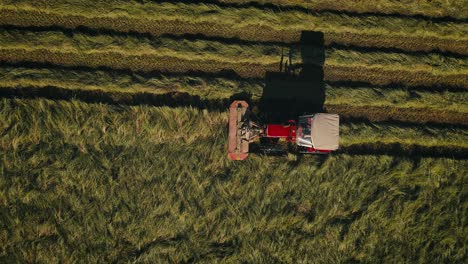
<point x="238" y="145"/>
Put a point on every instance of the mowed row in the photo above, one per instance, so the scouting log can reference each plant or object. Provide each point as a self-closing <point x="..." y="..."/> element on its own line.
<point x="425" y="8"/>
<point x="420" y="88"/>
<point x="383" y="83"/>
<point x="245" y="23"/>
<point x="140" y="53"/>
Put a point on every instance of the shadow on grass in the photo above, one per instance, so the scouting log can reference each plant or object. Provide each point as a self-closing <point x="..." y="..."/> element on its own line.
<point x="298" y="88"/>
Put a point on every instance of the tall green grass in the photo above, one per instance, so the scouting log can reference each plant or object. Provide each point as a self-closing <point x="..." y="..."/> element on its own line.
<point x="245" y="23"/>
<point x="97" y="183"/>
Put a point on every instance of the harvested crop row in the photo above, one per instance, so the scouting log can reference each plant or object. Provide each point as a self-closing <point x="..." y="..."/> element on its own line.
<point x="414" y="115"/>
<point x="143" y="63"/>
<point x="248" y="24"/>
<point x="221" y="88"/>
<point x="385" y="76"/>
<point x="153" y="62"/>
<point x="167" y="55"/>
<point x="427" y="8"/>
<point x="217" y="50"/>
<point x="418" y="115"/>
<point x="51" y="119"/>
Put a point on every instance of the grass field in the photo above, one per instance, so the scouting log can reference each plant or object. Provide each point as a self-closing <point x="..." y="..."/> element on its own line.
<point x="106" y="175"/>
<point x="113" y="133"/>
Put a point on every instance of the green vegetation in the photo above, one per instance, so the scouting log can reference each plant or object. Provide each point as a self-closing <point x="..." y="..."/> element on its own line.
<point x="212" y="20"/>
<point x="90" y="182"/>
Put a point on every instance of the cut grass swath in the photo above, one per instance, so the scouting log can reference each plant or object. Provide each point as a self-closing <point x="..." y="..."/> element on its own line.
<point x="154" y="63"/>
<point x="247" y="23"/>
<point x="426" y="8"/>
<point x="219" y="87"/>
<point x="248" y="61"/>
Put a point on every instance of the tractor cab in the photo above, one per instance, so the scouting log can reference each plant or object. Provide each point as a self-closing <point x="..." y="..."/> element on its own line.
<point x="317" y="133"/>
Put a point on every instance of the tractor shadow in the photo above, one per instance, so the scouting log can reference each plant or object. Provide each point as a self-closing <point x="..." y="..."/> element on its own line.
<point x="298" y="87"/>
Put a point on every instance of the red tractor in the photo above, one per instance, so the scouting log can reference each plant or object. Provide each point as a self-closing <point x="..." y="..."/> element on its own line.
<point x="314" y="133"/>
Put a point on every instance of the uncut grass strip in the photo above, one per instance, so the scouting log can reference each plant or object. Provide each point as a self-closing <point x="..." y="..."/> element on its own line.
<point x="178" y="99"/>
<point x="51" y="117"/>
<point x="414" y="115"/>
<point x="103" y="141"/>
<point x="424" y="9"/>
<point x="265" y="32"/>
<point x="221" y="88"/>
